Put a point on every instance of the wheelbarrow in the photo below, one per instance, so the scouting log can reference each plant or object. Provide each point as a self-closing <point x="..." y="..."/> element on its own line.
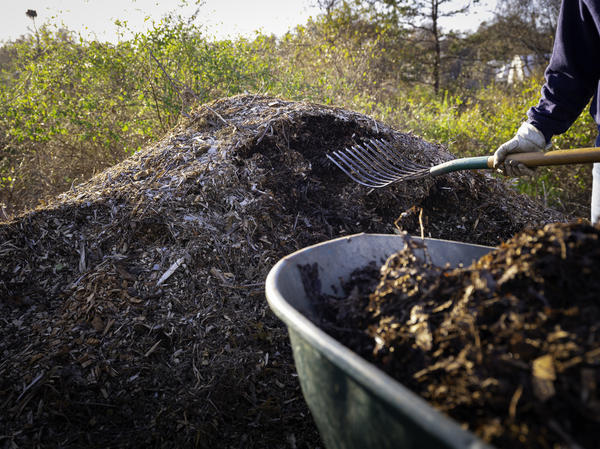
<point x="355" y="404"/>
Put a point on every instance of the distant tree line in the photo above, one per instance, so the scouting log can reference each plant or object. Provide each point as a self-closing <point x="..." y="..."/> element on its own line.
<point x="428" y="53"/>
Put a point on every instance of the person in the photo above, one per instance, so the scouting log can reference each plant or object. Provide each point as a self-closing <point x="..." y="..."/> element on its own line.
<point x="572" y="78"/>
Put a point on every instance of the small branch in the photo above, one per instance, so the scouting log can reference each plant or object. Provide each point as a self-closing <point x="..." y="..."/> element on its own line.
<point x="174" y="84"/>
<point x="167" y="274"/>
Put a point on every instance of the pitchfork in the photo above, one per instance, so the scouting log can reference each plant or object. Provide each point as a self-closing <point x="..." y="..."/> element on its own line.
<point x="377" y="164"/>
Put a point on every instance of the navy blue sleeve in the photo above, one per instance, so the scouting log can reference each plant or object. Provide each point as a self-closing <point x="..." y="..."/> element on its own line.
<point x="574" y="69"/>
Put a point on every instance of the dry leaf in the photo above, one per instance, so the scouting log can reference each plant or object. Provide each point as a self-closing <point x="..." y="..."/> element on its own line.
<point x="544" y="375"/>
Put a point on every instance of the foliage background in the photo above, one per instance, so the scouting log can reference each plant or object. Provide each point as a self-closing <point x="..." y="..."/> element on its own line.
<point x="70" y="107"/>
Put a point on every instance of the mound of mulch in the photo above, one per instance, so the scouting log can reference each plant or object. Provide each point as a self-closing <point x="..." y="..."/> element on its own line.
<point x="132" y="309"/>
<point x="509" y="346"/>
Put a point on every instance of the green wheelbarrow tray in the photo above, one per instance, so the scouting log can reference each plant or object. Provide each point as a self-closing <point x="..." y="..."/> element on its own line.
<point x="353" y="403"/>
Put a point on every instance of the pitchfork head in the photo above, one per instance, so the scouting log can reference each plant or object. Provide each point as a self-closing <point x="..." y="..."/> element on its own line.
<point x="376" y="164"/>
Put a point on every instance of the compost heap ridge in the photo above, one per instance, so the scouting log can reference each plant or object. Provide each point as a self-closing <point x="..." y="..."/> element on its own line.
<point x="133" y="308"/>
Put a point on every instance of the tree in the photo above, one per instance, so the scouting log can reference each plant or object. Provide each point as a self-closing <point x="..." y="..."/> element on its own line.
<point x="419" y="21"/>
<point x="328" y="5"/>
<point x="424" y="17"/>
<point x="32" y="14"/>
<point x="530" y="24"/>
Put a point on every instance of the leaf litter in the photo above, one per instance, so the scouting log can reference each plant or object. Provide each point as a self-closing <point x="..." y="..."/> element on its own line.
<point x="132" y="306"/>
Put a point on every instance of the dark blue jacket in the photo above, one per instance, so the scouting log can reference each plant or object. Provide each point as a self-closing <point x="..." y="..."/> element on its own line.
<point x="573" y="74"/>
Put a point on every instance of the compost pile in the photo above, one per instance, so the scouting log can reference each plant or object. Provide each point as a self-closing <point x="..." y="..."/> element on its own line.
<point x="132" y="309"/>
<point x="509" y="346"/>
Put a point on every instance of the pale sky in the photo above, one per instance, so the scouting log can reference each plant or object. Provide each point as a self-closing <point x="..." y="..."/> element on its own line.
<point x="220" y="18"/>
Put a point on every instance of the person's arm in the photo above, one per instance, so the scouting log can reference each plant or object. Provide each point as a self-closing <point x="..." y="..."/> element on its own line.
<point x="571" y="80"/>
<point x="574" y="69"/>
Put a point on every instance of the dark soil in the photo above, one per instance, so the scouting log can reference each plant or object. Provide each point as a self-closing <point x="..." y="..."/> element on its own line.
<point x="132" y="309"/>
<point x="509" y="346"/>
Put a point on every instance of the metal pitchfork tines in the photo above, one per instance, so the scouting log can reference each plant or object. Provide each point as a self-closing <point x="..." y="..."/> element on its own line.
<point x="377" y="163"/>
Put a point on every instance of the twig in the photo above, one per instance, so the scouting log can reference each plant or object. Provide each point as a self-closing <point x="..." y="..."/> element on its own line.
<point x="151" y="350"/>
<point x="82" y="257"/>
<point x="512" y="408"/>
<point x="156" y="106"/>
<point x="167" y="274"/>
<point x="174" y="84"/>
<point x="218" y="115"/>
<point x="28" y="387"/>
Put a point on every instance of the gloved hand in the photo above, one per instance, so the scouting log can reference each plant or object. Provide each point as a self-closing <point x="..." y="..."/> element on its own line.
<point x="527" y="139"/>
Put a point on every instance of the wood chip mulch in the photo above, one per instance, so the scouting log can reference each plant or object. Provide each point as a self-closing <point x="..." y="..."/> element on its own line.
<point x="509" y="347"/>
<point x="132" y="309"/>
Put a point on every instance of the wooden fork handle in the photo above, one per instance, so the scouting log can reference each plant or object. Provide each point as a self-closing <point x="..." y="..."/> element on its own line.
<point x="557" y="157"/>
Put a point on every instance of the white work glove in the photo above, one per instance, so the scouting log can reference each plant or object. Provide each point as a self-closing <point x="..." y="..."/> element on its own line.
<point x="527" y="139"/>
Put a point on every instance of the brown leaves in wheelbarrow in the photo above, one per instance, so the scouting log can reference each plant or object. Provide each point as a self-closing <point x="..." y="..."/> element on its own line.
<point x="508" y="346"/>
